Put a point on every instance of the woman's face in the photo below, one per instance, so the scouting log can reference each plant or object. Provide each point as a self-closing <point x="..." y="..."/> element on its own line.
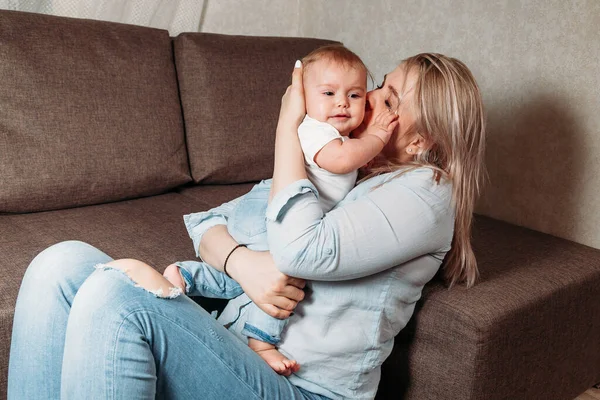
<point x="395" y="94"/>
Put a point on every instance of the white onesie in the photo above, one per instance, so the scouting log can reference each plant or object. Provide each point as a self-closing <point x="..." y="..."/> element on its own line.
<point x="314" y="135"/>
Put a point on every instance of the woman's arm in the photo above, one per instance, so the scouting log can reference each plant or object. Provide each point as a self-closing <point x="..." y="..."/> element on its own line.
<point x="289" y="159"/>
<point x="386" y="227"/>
<point x="405" y="218"/>
<point x="275" y="293"/>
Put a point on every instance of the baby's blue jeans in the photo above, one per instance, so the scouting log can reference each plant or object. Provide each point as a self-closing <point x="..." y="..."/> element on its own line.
<point x="81" y="332"/>
<point x="247" y="225"/>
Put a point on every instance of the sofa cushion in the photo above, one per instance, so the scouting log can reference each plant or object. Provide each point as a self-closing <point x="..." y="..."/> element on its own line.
<point x="231" y="88"/>
<point x="89" y="113"/>
<point x="527" y="330"/>
<point x="150" y="229"/>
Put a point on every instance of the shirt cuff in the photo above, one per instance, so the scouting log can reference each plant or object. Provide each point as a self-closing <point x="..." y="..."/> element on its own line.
<point x="198" y="223"/>
<point x="280" y="203"/>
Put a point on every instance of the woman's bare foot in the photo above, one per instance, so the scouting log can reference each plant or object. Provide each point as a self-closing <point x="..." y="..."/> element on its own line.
<point x="273" y="357"/>
<point x="173" y="275"/>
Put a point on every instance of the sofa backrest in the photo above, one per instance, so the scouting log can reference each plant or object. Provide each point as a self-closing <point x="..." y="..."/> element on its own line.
<point x="231" y="88"/>
<point x="89" y="113"/>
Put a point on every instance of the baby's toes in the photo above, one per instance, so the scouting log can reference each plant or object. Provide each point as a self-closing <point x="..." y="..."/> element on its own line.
<point x="279" y="367"/>
<point x="296" y="367"/>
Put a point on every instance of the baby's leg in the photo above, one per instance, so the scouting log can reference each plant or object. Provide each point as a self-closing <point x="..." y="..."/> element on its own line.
<point x="263" y="332"/>
<point x="173" y="275"/>
<point x="200" y="279"/>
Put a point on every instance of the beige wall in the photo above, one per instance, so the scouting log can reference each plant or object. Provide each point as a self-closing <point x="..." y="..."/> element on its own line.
<point x="252" y="17"/>
<point x="537" y="64"/>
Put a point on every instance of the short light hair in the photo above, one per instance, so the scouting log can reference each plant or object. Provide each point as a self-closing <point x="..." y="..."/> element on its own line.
<point x="336" y="53"/>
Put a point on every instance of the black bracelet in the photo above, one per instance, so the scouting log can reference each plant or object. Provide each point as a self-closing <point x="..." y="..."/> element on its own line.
<point x="229" y="255"/>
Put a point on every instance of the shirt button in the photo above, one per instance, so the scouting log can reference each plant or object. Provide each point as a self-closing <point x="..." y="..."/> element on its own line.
<point x="329" y="251"/>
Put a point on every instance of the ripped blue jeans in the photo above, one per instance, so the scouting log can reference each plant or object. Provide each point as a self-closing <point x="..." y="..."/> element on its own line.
<point x="81" y="332"/>
<point x="246" y="223"/>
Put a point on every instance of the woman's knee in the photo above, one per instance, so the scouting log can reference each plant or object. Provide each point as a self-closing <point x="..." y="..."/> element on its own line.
<point x="56" y="273"/>
<point x="64" y="259"/>
<point x="116" y="288"/>
<point x="146" y="277"/>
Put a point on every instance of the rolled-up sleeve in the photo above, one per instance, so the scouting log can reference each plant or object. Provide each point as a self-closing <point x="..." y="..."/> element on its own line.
<point x="197" y="224"/>
<point x="400" y="220"/>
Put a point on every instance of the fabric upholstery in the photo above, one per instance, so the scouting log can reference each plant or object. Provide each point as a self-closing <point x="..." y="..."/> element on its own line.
<point x="216" y="194"/>
<point x="149" y="229"/>
<point x="231" y="88"/>
<point x="89" y="113"/>
<point x="528" y="327"/>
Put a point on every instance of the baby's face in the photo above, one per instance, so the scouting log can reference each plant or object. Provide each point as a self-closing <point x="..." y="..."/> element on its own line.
<point x="335" y="94"/>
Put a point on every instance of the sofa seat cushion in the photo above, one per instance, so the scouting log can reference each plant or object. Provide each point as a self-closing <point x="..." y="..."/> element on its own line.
<point x="89" y="113"/>
<point x="533" y="314"/>
<point x="149" y="229"/>
<point x="231" y="88"/>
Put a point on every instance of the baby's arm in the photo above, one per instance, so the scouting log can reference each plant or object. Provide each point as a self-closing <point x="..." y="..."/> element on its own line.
<point x="343" y="157"/>
<point x="340" y="157"/>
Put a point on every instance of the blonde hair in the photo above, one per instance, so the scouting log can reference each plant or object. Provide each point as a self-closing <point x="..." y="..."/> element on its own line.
<point x="336" y="53"/>
<point x="448" y="112"/>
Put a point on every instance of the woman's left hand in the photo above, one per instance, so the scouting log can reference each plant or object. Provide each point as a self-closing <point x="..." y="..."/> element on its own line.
<point x="273" y="292"/>
<point x="293" y="107"/>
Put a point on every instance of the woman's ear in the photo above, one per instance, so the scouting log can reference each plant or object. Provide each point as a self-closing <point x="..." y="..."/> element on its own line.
<point x="416" y="146"/>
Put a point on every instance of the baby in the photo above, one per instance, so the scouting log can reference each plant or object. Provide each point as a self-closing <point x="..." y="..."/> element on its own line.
<point x="335" y="87"/>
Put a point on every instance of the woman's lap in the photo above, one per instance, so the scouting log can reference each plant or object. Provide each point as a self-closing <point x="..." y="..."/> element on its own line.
<point x="123" y="341"/>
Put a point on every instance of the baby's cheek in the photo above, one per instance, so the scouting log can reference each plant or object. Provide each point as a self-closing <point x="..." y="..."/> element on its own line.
<point x="360" y="115"/>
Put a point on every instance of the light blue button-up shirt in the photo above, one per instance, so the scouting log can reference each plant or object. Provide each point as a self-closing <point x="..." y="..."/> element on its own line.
<point x="366" y="261"/>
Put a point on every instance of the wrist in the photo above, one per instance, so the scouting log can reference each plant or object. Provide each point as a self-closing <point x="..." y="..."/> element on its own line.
<point x="235" y="261"/>
<point x="381" y="140"/>
<point x="289" y="125"/>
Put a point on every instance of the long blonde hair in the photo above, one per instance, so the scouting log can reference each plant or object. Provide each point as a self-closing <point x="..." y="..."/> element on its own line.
<point x="449" y="115"/>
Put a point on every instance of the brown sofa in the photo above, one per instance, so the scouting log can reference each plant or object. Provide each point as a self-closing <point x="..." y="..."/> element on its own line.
<point x="109" y="133"/>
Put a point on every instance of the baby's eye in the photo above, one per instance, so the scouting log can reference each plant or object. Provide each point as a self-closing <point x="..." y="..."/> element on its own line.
<point x="388" y="104"/>
<point x="355" y="96"/>
<point x="328" y="93"/>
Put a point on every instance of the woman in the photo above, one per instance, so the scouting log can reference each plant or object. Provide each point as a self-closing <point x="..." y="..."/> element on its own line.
<point x="367" y="260"/>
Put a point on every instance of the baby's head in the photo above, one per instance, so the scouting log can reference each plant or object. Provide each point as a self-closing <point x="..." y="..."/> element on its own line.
<point x="335" y="87"/>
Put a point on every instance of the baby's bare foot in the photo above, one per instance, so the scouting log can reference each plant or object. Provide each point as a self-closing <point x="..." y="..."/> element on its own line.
<point x="277" y="361"/>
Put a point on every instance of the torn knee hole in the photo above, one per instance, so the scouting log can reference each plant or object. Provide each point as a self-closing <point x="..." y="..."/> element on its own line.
<point x="145" y="277"/>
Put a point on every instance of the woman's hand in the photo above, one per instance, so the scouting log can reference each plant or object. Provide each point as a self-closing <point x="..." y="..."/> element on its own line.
<point x="289" y="159"/>
<point x="293" y="107"/>
<point x="275" y="293"/>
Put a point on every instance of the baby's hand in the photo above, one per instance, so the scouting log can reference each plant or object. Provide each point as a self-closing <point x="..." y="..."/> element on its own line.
<point x="173" y="275"/>
<point x="383" y="125"/>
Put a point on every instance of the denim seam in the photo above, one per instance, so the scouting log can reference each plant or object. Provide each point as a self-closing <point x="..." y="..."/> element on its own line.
<point x="187" y="278"/>
<point x="260" y="334"/>
<point x="219" y="295"/>
<point x="126" y="318"/>
<point x="110" y="383"/>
